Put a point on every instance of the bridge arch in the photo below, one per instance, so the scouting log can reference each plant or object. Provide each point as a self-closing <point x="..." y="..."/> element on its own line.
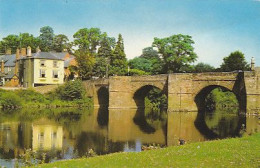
<point x="202" y="93"/>
<point x="141" y="92"/>
<point x="103" y="96"/>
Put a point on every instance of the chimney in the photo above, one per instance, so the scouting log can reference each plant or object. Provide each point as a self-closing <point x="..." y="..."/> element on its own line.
<point x="8" y="51"/>
<point x="38" y="49"/>
<point x="252" y="64"/>
<point x="3" y="66"/>
<point x="23" y="52"/>
<point x="29" y="51"/>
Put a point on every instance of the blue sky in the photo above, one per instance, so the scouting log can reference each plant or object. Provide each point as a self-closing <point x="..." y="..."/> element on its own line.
<point x="218" y="27"/>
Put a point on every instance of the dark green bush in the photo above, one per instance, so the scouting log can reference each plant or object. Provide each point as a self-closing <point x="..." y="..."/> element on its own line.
<point x="10" y="99"/>
<point x="71" y="90"/>
<point x="29" y="95"/>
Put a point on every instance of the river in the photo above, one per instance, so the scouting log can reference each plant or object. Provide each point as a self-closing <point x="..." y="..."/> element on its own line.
<point x="66" y="134"/>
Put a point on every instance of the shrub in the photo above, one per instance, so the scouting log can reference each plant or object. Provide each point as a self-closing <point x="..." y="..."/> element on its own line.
<point x="29" y="95"/>
<point x="10" y="99"/>
<point x="71" y="90"/>
<point x="137" y="72"/>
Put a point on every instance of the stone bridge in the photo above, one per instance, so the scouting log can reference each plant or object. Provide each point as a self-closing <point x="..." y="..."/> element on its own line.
<point x="185" y="91"/>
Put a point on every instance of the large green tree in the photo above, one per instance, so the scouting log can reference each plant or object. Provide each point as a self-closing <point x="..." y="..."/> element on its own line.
<point x="46" y="38"/>
<point x="202" y="67"/>
<point x="27" y="39"/>
<point x="60" y="42"/>
<point x="118" y="60"/>
<point x="88" y="39"/>
<point x="104" y="55"/>
<point x="235" y="61"/>
<point x="11" y="42"/>
<point x="177" y="52"/>
<point x="86" y="62"/>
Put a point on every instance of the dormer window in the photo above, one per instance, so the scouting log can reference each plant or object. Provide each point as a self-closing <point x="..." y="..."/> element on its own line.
<point x="42" y="63"/>
<point x="55" y="64"/>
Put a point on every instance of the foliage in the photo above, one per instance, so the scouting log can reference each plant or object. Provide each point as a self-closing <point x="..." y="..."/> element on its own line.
<point x="157" y="98"/>
<point x="103" y="57"/>
<point x="88" y="39"/>
<point x="137" y="72"/>
<point x="118" y="60"/>
<point x="177" y="52"/>
<point x="86" y="62"/>
<point x="46" y="38"/>
<point x="29" y="95"/>
<point x="235" y="61"/>
<point x="9" y="99"/>
<point x="219" y="99"/>
<point x="202" y="67"/>
<point x="71" y="90"/>
<point x="60" y="42"/>
<point x="141" y="64"/>
<point x="29" y="40"/>
<point x="149" y="53"/>
<point x="11" y="42"/>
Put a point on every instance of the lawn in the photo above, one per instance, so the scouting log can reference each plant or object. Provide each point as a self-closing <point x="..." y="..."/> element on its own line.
<point x="234" y="152"/>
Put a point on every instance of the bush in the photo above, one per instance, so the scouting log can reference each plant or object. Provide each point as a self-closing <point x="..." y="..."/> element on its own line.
<point x="29" y="95"/>
<point x="72" y="90"/>
<point x="10" y="99"/>
<point x="137" y="72"/>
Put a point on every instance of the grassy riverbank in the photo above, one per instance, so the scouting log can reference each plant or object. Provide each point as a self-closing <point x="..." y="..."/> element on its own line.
<point x="235" y="152"/>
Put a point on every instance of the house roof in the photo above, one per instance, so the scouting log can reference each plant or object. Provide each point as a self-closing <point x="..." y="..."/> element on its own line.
<point x="67" y="62"/>
<point x="9" y="60"/>
<point x="9" y="75"/>
<point x="45" y="55"/>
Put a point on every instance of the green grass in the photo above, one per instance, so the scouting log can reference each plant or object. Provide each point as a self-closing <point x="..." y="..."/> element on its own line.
<point x="235" y="152"/>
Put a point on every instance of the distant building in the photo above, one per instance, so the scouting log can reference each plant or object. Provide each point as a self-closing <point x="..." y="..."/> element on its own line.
<point x="34" y="69"/>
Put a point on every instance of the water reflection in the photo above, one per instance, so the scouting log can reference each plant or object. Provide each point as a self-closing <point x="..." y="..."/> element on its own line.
<point x="71" y="133"/>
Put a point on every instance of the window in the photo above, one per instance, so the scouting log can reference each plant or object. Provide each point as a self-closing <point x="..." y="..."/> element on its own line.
<point x="55" y="74"/>
<point x="42" y="73"/>
<point x="55" y="64"/>
<point x="42" y="63"/>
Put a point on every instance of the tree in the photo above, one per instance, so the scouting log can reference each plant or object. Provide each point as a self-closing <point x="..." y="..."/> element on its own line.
<point x="60" y="42"/>
<point x="11" y="42"/>
<point x="141" y="63"/>
<point x="86" y="62"/>
<point x="27" y="39"/>
<point x="202" y="67"/>
<point x="104" y="55"/>
<point x="46" y="38"/>
<point x="118" y="60"/>
<point x="88" y="39"/>
<point x="235" y="61"/>
<point x="176" y="51"/>
<point x="149" y="53"/>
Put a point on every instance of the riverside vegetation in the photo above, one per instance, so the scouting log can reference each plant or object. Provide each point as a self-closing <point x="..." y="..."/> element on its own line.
<point x="71" y="94"/>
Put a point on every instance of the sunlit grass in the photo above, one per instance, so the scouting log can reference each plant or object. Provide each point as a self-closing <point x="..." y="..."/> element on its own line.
<point x="235" y="152"/>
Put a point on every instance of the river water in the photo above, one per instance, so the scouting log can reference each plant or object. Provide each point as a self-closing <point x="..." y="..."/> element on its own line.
<point x="72" y="133"/>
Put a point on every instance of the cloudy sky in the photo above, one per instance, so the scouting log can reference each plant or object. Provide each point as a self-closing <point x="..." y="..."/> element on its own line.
<point x="218" y="27"/>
